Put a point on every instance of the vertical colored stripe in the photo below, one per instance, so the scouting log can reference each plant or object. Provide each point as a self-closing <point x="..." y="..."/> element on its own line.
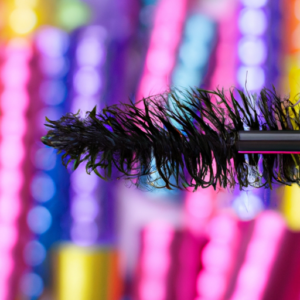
<point x="86" y="273"/>
<point x="290" y="83"/>
<point x="14" y="104"/>
<point x="164" y="41"/>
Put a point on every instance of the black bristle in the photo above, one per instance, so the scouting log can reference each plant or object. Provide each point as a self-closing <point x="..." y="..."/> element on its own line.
<point x="187" y="138"/>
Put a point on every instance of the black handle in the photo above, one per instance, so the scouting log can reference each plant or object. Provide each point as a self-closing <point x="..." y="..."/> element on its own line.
<point x="268" y="142"/>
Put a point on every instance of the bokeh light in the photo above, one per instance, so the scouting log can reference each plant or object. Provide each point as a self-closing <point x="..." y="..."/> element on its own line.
<point x="26" y="3"/>
<point x="52" y="41"/>
<point x="9" y="213"/>
<point x="53" y="92"/>
<point x="254" y="77"/>
<point x="252" y="52"/>
<point x="44" y="159"/>
<point x="23" y="20"/>
<point x="90" y="52"/>
<point x="34" y="253"/>
<point x="9" y="238"/>
<point x="84" y="233"/>
<point x="84" y="209"/>
<point x="54" y="66"/>
<point x="32" y="285"/>
<point x="87" y="81"/>
<point x="253" y="22"/>
<point x="73" y="14"/>
<point x="42" y="187"/>
<point x="39" y="219"/>
<point x="254" y="3"/>
<point x="247" y="206"/>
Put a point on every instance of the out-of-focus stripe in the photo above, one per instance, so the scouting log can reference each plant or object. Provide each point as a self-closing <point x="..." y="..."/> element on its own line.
<point x="290" y="83"/>
<point x="13" y="104"/>
<point x="260" y="256"/>
<point x="86" y="273"/>
<point x="164" y="41"/>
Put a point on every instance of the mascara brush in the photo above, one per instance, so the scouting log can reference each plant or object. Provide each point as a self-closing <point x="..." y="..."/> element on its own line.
<point x="180" y="139"/>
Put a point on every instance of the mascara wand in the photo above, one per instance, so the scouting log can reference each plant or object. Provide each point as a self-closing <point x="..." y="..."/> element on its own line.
<point x="180" y="139"/>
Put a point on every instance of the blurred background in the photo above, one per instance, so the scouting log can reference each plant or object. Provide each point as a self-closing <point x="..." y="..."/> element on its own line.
<point x="70" y="236"/>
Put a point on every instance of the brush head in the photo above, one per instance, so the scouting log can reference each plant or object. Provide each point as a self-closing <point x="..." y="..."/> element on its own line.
<point x="181" y="139"/>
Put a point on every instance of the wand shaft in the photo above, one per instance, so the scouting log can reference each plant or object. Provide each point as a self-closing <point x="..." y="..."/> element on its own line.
<point x="269" y="142"/>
